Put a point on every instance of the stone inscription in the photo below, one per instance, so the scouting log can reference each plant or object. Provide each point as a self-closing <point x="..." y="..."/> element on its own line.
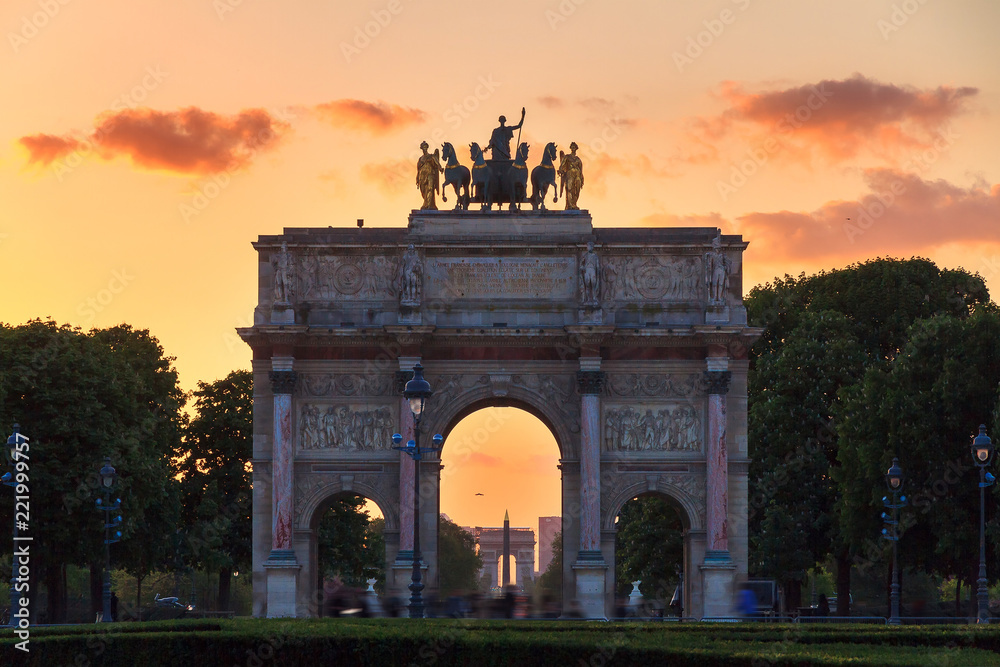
<point x="490" y="277"/>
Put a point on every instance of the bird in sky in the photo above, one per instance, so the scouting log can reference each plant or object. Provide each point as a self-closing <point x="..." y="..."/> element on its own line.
<point x="480" y="494"/>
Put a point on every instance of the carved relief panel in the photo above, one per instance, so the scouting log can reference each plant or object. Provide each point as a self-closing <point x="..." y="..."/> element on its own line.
<point x="331" y="277"/>
<point x="347" y="427"/>
<point x="652" y="278"/>
<point x="653" y="428"/>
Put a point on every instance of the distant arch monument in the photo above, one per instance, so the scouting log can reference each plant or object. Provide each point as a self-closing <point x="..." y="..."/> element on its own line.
<point x="628" y="343"/>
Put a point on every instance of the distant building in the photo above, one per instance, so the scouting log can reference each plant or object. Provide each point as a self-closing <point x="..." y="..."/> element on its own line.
<point x="548" y="527"/>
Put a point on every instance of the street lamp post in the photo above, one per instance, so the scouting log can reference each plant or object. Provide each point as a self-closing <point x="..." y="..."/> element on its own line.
<point x="108" y="479"/>
<point x="15" y="444"/>
<point x="982" y="452"/>
<point x="416" y="391"/>
<point x="894" y="478"/>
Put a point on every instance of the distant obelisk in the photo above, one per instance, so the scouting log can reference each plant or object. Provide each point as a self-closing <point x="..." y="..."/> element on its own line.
<point x="506" y="549"/>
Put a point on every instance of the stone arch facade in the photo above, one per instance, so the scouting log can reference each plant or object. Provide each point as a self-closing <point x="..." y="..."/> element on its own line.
<point x="639" y="372"/>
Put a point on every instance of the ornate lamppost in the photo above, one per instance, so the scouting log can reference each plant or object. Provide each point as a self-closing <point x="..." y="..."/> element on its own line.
<point x="108" y="479"/>
<point x="15" y="443"/>
<point x="894" y="478"/>
<point x="982" y="452"/>
<point x="416" y="391"/>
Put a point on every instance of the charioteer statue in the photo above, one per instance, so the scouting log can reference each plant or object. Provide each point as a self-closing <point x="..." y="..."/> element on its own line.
<point x="503" y="179"/>
<point x="499" y="142"/>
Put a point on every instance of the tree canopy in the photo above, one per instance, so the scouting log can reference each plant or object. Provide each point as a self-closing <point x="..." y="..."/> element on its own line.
<point x="924" y="409"/>
<point x="214" y="464"/>
<point x="80" y="398"/>
<point x="823" y="333"/>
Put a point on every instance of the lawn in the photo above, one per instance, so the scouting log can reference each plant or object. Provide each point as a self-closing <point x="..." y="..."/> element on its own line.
<point x="285" y="642"/>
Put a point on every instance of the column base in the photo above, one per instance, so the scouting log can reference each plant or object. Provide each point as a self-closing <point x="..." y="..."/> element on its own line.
<point x="718" y="573"/>
<point x="591" y="579"/>
<point x="282" y="580"/>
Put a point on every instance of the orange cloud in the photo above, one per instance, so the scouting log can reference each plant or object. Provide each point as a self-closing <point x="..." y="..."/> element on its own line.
<point x="839" y="119"/>
<point x="390" y="176"/>
<point x="188" y="141"/>
<point x="377" y="118"/>
<point x="47" y="148"/>
<point x="900" y="214"/>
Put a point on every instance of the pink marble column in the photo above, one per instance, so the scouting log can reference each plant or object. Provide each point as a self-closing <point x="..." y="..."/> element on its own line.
<point x="717" y="464"/>
<point x="282" y="477"/>
<point x="591" y="383"/>
<point x="406" y="468"/>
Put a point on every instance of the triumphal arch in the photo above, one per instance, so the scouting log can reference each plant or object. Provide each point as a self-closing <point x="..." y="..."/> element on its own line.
<point x="628" y="343"/>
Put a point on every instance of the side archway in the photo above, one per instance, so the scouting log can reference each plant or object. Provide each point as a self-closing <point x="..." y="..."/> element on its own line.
<point x="680" y="495"/>
<point x="310" y="508"/>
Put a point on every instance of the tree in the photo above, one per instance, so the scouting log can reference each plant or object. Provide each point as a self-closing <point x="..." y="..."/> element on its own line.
<point x="821" y="333"/>
<point x="649" y="547"/>
<point x="214" y="461"/>
<point x="159" y="396"/>
<point x="550" y="584"/>
<point x="790" y="424"/>
<point x="924" y="408"/>
<point x="348" y="548"/>
<point x="81" y="397"/>
<point x="458" y="561"/>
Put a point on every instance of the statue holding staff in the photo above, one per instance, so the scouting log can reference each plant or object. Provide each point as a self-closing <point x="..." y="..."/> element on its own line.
<point x="500" y="140"/>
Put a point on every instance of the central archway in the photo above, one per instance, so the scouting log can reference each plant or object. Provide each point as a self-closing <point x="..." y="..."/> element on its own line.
<point x="497" y="462"/>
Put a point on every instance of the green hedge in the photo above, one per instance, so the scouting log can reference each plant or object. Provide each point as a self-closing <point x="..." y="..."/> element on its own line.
<point x="284" y="642"/>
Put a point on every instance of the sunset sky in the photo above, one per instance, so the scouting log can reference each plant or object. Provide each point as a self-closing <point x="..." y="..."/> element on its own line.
<point x="144" y="144"/>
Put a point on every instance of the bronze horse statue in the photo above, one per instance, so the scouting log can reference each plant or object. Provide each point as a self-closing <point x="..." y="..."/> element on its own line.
<point x="542" y="177"/>
<point x="455" y="175"/>
<point x="517" y="178"/>
<point x="482" y="177"/>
